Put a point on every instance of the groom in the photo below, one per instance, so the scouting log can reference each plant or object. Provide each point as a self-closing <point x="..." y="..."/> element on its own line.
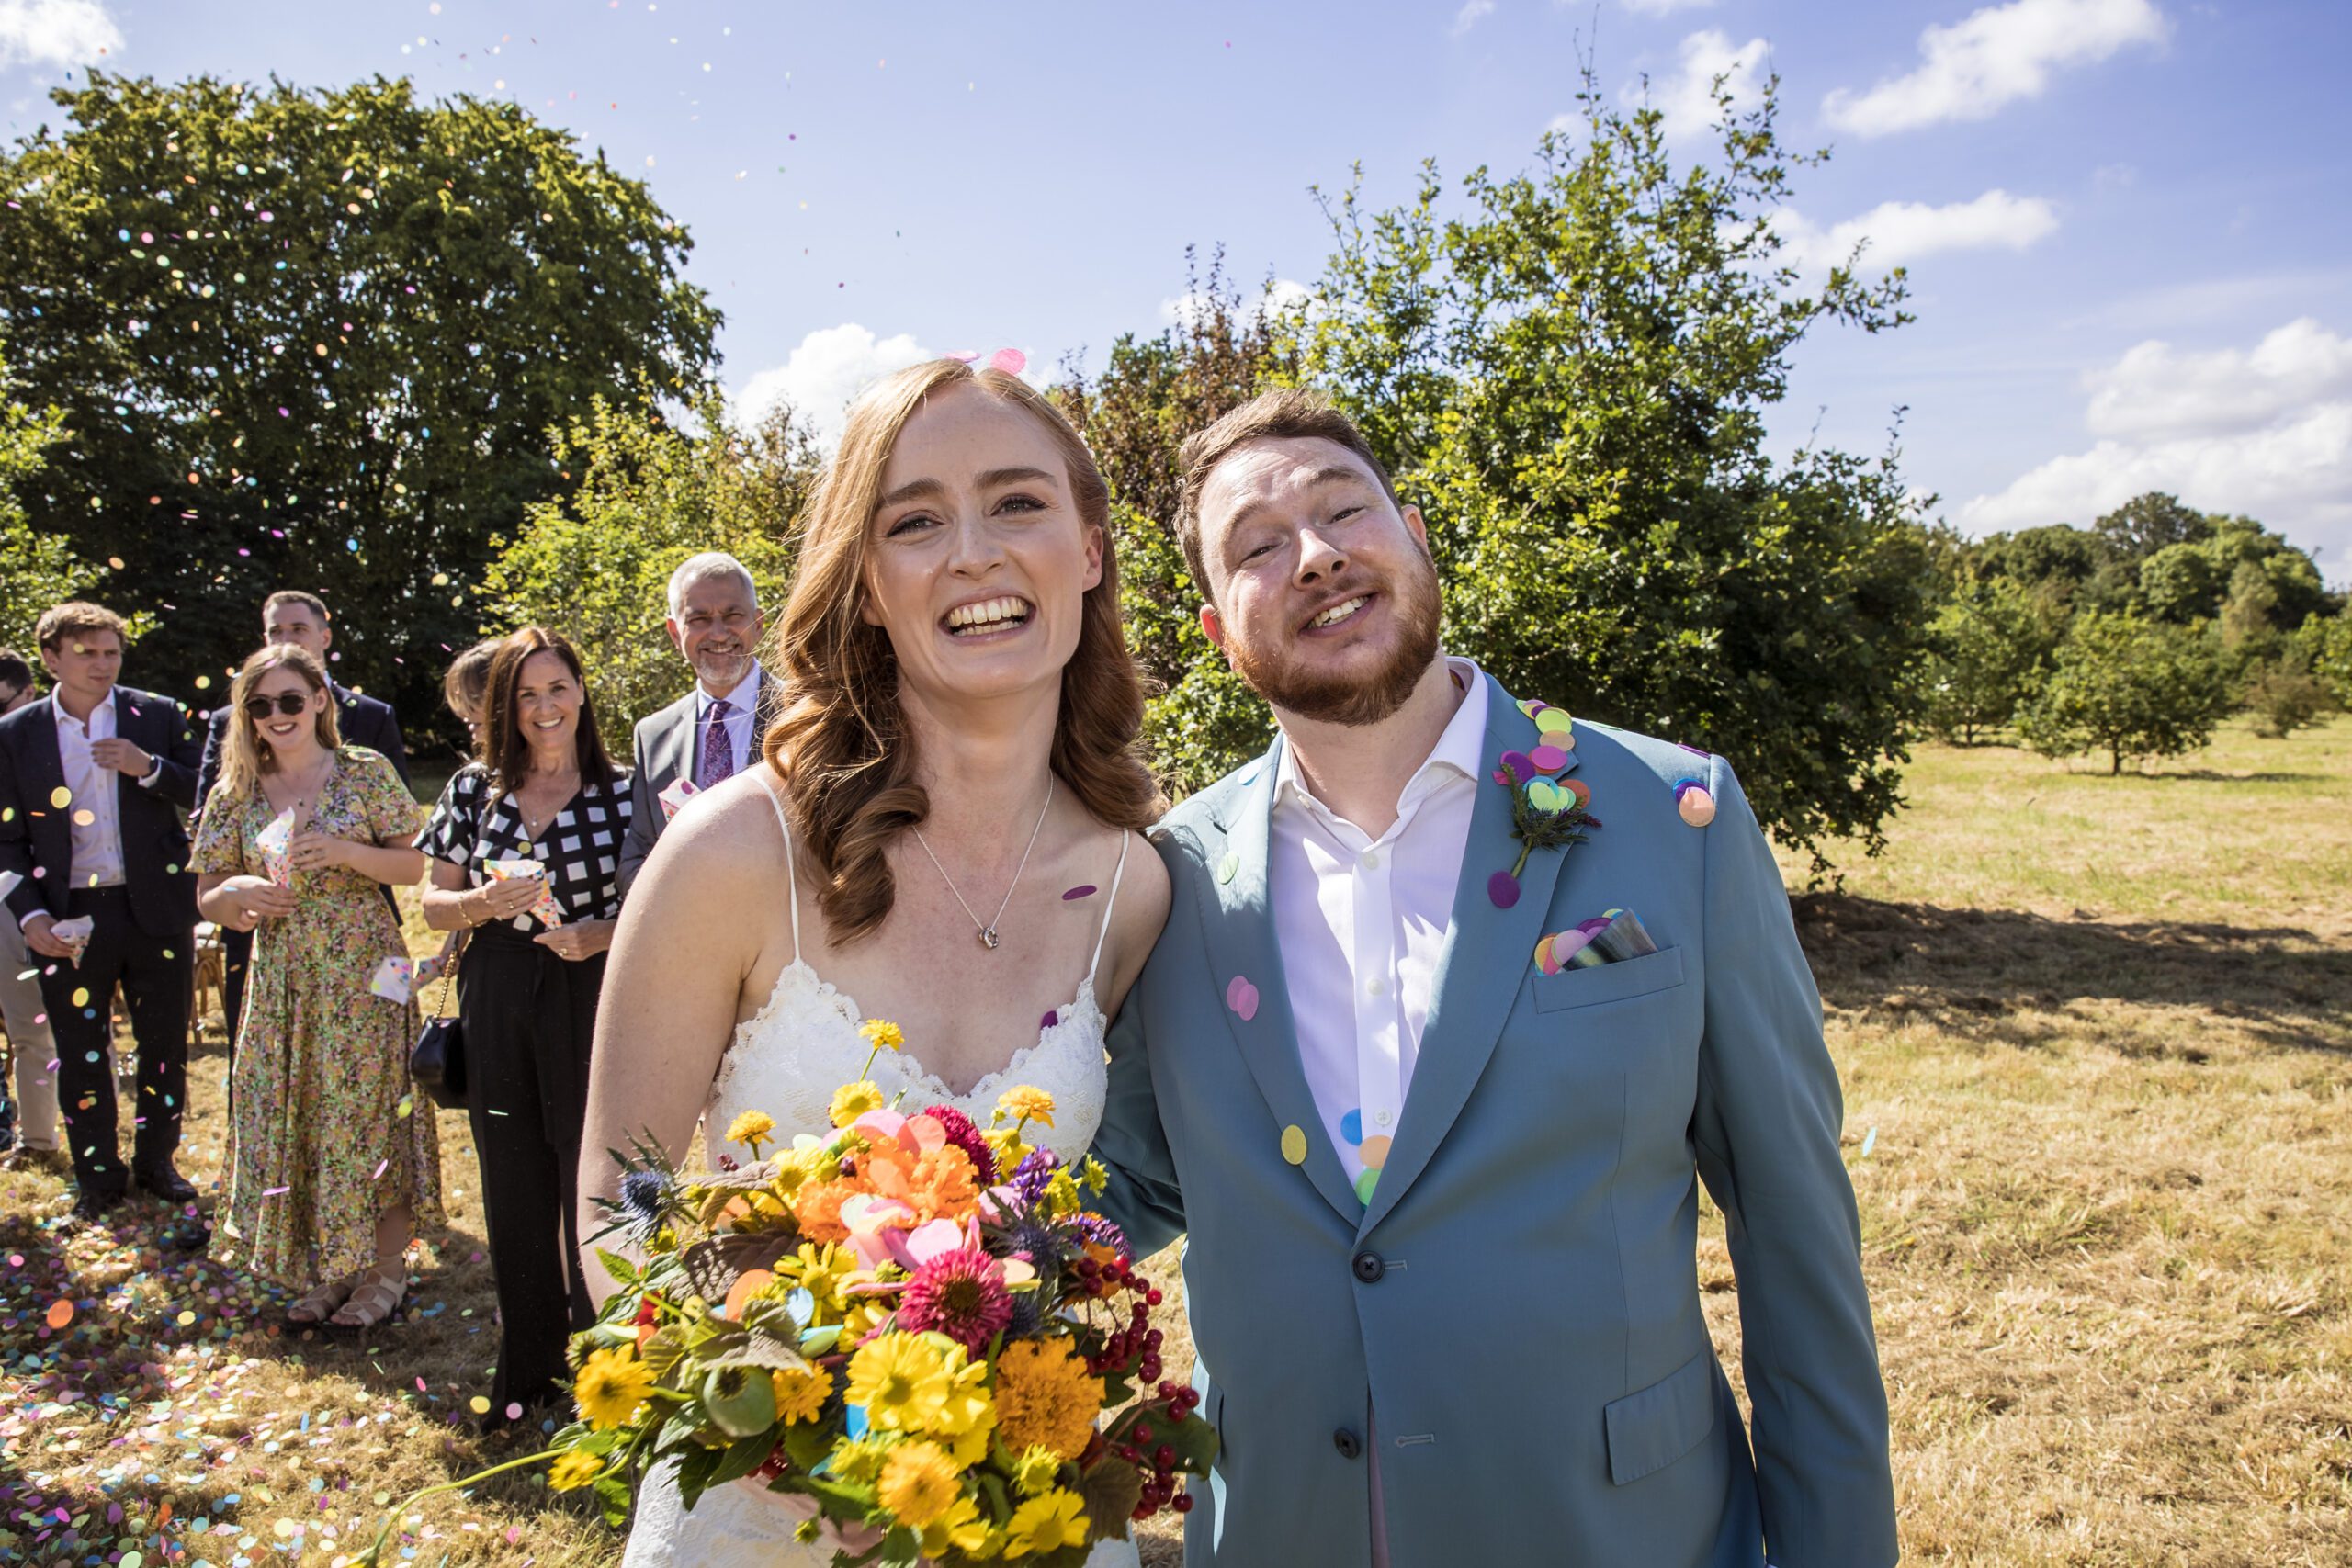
<point x="1441" y="1173"/>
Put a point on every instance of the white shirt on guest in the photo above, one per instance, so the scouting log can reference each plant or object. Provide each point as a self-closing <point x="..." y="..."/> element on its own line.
<point x="740" y="701"/>
<point x="1362" y="925"/>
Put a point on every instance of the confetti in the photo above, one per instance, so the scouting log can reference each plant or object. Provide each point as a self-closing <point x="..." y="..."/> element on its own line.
<point x="1295" y="1144"/>
<point x="1242" y="997"/>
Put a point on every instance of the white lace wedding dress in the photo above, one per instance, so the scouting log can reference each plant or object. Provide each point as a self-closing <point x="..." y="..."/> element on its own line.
<point x="785" y="1061"/>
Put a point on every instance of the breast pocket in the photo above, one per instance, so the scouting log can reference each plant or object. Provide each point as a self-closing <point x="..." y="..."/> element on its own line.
<point x="1620" y="981"/>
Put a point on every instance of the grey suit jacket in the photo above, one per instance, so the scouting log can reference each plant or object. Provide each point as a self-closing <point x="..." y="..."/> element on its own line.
<point x="1518" y="1300"/>
<point x="663" y="749"/>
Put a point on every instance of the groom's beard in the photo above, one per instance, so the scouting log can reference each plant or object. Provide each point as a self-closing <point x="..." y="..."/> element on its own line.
<point x="1332" y="696"/>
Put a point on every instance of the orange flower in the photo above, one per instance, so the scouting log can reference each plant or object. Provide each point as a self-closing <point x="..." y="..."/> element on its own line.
<point x="1044" y="1397"/>
<point x="818" y="1207"/>
<point x="944" y="1186"/>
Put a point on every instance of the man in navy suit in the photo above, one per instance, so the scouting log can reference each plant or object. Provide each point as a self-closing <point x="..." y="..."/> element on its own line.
<point x="292" y="616"/>
<point x="92" y="784"/>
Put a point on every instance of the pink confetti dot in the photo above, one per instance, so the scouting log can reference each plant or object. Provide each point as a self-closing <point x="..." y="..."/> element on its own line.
<point x="1241" y="997"/>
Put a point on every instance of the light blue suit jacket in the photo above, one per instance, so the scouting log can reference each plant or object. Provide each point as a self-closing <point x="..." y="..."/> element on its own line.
<point x="1520" y="1300"/>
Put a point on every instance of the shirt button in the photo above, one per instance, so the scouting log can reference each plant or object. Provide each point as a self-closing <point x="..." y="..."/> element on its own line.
<point x="1382" y="1117"/>
<point x="1376" y="986"/>
<point x="1371" y="859"/>
<point x="1348" y="1443"/>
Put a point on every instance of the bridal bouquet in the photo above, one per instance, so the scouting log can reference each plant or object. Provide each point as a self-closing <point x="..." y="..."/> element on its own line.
<point x="914" y="1324"/>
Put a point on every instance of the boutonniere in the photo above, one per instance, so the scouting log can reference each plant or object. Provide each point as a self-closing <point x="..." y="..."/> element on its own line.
<point x="1546" y="812"/>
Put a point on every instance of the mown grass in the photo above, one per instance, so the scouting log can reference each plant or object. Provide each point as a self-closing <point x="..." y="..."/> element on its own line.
<point x="2095" y="1032"/>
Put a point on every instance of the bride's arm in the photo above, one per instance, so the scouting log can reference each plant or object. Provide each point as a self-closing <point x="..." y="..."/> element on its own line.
<point x="689" y="932"/>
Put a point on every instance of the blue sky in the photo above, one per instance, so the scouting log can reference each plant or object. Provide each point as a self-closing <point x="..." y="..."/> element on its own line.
<point x="2128" y="223"/>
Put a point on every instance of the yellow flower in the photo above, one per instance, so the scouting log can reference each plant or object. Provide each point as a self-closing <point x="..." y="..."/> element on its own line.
<point x="1093" y="1175"/>
<point x="881" y="1033"/>
<point x="826" y="1272"/>
<point x="792" y="1172"/>
<point x="1047" y="1524"/>
<point x="862" y="1318"/>
<point x="859" y="1463"/>
<point x="612" y="1386"/>
<point x="1036" y="1470"/>
<point x="966" y="1403"/>
<point x="919" y="1482"/>
<point x="1061" y="1194"/>
<point x="1022" y="1103"/>
<point x="573" y="1470"/>
<point x="1005" y="1144"/>
<point x="1044" y="1398"/>
<point x="751" y="1127"/>
<point x="801" y="1393"/>
<point x="852" y="1100"/>
<point x="960" y="1529"/>
<point x="902" y="1381"/>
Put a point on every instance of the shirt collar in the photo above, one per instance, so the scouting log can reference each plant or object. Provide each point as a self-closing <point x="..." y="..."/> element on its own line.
<point x="746" y="693"/>
<point x="1455" y="755"/>
<point x="57" y="708"/>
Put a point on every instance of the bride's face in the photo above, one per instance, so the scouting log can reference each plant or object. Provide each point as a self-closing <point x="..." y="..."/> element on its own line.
<point x="978" y="562"/>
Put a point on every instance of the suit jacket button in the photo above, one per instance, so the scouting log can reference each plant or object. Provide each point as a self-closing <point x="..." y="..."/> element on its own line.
<point x="1368" y="1268"/>
<point x="1348" y="1443"/>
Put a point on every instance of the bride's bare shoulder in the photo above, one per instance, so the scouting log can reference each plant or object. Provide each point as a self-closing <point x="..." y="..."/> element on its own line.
<point x="725" y="836"/>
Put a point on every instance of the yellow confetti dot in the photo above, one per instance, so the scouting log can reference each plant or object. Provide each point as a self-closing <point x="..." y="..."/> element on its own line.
<point x="1295" y="1144"/>
<point x="203" y="681"/>
<point x="480" y="1405"/>
<point x="85" y="817"/>
<point x="185" y="1318"/>
<point x="282" y="1528"/>
<point x="61" y="797"/>
<point x="81" y="995"/>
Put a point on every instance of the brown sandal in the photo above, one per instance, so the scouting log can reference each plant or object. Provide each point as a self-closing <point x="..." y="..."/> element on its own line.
<point x="373" y="1302"/>
<point x="314" y="1309"/>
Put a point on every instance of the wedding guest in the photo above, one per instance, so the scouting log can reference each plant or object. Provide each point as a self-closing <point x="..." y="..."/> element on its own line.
<point x="292" y="618"/>
<point x="463" y="684"/>
<point x="331" y="1167"/>
<point x="543" y="792"/>
<point x="33" y="1110"/>
<point x="92" y="784"/>
<point x="704" y="737"/>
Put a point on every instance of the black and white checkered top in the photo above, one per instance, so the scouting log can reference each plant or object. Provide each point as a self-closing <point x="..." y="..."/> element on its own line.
<point x="470" y="827"/>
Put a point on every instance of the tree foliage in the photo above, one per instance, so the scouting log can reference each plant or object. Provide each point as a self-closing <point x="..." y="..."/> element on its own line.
<point x="318" y="339"/>
<point x="595" y="564"/>
<point x="2129" y="687"/>
<point x="1991" y="640"/>
<point x="35" y="569"/>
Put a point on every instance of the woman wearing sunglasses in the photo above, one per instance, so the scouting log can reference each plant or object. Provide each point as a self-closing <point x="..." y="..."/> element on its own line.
<point x="332" y="1164"/>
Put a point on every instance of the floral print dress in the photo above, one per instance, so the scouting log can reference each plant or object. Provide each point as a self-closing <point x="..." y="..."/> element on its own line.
<point x="327" y="1132"/>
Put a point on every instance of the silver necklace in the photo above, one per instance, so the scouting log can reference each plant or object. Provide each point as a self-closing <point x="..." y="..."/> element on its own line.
<point x="988" y="931"/>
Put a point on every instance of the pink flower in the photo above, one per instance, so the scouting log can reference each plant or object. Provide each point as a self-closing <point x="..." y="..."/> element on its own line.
<point x="965" y="1136"/>
<point x="960" y="1294"/>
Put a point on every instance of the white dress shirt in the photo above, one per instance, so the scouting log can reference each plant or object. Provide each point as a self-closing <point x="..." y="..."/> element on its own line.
<point x="93" y="817"/>
<point x="1362" y="923"/>
<point x="740" y="701"/>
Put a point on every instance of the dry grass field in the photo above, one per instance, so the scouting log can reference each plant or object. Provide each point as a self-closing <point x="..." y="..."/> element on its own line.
<point x="2096" y="1041"/>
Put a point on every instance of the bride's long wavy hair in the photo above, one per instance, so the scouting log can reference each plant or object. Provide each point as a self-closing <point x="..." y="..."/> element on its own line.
<point x="840" y="742"/>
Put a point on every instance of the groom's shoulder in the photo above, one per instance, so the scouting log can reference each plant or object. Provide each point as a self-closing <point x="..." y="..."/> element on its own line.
<point x="1607" y="746"/>
<point x="1204" y="814"/>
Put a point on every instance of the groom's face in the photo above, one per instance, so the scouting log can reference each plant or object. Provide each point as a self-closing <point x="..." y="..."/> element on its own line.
<point x="1321" y="592"/>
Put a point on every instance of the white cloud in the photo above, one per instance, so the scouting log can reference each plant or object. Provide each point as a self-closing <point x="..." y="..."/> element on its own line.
<point x="2154" y="393"/>
<point x="2265" y="430"/>
<point x="1687" y="98"/>
<point x="1901" y="232"/>
<point x="1972" y="68"/>
<point x="1283" y="295"/>
<point x="1473" y="11"/>
<point x="56" y="32"/>
<point x="823" y="375"/>
<point x="1666" y="7"/>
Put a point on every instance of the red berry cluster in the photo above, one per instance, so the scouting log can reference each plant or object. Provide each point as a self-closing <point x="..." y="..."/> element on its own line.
<point x="1135" y="1347"/>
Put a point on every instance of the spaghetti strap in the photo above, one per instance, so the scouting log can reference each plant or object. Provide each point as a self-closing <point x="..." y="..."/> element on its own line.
<point x="1118" y="872"/>
<point x="791" y="874"/>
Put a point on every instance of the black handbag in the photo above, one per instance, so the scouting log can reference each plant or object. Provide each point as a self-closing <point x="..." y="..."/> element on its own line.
<point x="438" y="1063"/>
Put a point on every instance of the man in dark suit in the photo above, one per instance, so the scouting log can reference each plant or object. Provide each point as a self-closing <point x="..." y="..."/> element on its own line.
<point x="92" y="784"/>
<point x="714" y="731"/>
<point x="299" y="618"/>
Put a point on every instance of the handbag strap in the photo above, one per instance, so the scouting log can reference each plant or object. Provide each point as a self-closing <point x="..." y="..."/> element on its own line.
<point x="451" y="950"/>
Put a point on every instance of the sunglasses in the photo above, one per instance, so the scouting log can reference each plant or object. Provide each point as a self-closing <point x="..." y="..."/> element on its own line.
<point x="288" y="703"/>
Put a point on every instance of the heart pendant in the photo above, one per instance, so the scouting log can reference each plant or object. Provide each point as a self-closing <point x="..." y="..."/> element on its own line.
<point x="987" y="937"/>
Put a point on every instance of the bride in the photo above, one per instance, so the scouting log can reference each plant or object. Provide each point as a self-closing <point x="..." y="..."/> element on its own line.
<point x="943" y="834"/>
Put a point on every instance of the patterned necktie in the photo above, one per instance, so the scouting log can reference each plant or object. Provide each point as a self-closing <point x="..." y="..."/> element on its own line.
<point x="718" y="756"/>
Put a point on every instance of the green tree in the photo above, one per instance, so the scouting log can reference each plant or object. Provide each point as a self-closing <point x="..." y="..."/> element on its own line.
<point x="2237" y="571"/>
<point x="2130" y="687"/>
<point x="2284" y="696"/>
<point x="35" y="569"/>
<point x="2325" y="645"/>
<point x="1992" y="641"/>
<point x="318" y="339"/>
<point x="1570" y="370"/>
<point x="596" y="565"/>
<point x="2149" y="523"/>
<point x="1156" y="391"/>
<point x="2078" y="566"/>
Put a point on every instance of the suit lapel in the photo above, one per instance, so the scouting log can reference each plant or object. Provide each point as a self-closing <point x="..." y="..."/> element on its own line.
<point x="1487" y="957"/>
<point x="679" y="743"/>
<point x="1239" y="918"/>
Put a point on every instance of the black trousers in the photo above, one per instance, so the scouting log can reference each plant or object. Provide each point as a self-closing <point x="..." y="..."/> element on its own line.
<point x="236" y="959"/>
<point x="529" y="1017"/>
<point x="157" y="976"/>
